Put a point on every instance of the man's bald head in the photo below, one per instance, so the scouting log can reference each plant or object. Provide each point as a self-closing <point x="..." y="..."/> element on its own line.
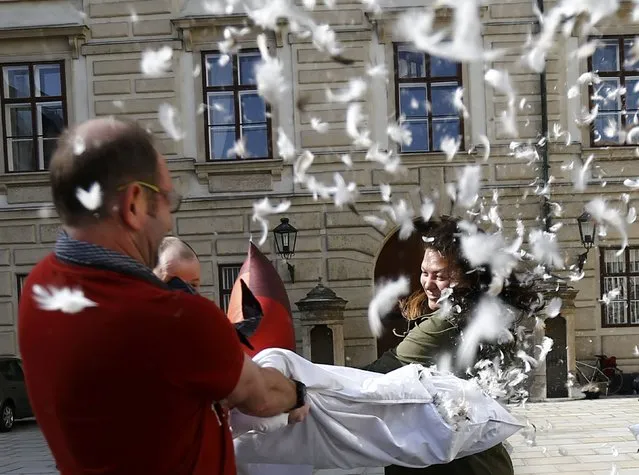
<point x="106" y="151"/>
<point x="178" y="259"/>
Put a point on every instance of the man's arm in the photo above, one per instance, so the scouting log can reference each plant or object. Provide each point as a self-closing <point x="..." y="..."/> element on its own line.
<point x="262" y="392"/>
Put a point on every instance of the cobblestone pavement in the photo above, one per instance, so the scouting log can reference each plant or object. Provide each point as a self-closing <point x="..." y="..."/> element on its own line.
<point x="571" y="438"/>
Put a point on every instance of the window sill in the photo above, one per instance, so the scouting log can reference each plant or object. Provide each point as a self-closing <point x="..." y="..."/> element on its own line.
<point x="612" y="152"/>
<point x="270" y="166"/>
<point x="24" y="178"/>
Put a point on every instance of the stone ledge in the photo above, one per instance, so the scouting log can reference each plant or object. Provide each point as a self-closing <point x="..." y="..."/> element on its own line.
<point x="239" y="167"/>
<point x="23" y="178"/>
<point x="132" y="46"/>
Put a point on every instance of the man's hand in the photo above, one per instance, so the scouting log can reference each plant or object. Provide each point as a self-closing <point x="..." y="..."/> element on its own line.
<point x="298" y="415"/>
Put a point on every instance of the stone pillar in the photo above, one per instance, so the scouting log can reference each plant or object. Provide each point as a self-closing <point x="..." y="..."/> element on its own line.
<point x="322" y="308"/>
<point x="563" y="352"/>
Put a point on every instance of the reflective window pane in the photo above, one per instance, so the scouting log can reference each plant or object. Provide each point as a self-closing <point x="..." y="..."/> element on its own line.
<point x="51" y="119"/>
<point x="412" y="101"/>
<point x="16" y="81"/>
<point x="631" y="58"/>
<point x="419" y="131"/>
<point x="442" y="67"/>
<point x="48" y="80"/>
<point x="634" y="260"/>
<point x="614" y="264"/>
<point x="48" y="149"/>
<point x="606" y="56"/>
<point x="607" y="95"/>
<point x="253" y="108"/>
<point x="411" y="64"/>
<point x="216" y="74"/>
<point x="256" y="140"/>
<point x="632" y="92"/>
<point x="441" y="96"/>
<point x="221" y="108"/>
<point x="247" y="63"/>
<point x="443" y="128"/>
<point x="19" y="120"/>
<point x="21" y="156"/>
<point x="222" y="140"/>
<point x="607" y="125"/>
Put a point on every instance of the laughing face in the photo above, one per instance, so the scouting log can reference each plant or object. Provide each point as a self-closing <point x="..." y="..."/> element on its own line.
<point x="437" y="275"/>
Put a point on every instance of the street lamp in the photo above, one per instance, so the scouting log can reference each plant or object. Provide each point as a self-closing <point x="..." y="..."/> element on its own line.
<point x="587" y="234"/>
<point x="285" y="238"/>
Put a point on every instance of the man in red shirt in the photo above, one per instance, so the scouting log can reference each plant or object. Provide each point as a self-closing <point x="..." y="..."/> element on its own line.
<point x="126" y="376"/>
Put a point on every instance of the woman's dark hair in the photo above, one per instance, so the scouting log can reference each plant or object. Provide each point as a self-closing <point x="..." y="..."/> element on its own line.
<point x="444" y="236"/>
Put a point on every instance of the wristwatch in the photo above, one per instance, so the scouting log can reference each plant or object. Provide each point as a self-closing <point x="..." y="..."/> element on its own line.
<point x="300" y="392"/>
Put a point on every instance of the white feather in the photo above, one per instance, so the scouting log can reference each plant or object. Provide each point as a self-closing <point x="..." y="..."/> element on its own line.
<point x="63" y="299"/>
<point x="353" y="92"/>
<point x="238" y="149"/>
<point x="285" y="147"/>
<point x="589" y="79"/>
<point x="91" y="199"/>
<point x="168" y="116"/>
<point x="385" y="191"/>
<point x="269" y="74"/>
<point x="343" y="193"/>
<point x="400" y="134"/>
<point x="427" y="209"/>
<point x="402" y="214"/>
<point x="346" y="160"/>
<point x="486" y="143"/>
<point x="450" y="146"/>
<point x="375" y="221"/>
<point x="262" y="209"/>
<point x="458" y="102"/>
<point x="319" y="126"/>
<point x="545" y="249"/>
<point x="386" y="297"/>
<point x="554" y="307"/>
<point x="156" y="63"/>
<point x="354" y="118"/>
<point x="607" y="216"/>
<point x="468" y="186"/>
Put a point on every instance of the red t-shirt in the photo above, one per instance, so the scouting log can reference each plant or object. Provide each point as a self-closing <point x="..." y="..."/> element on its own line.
<point x="127" y="387"/>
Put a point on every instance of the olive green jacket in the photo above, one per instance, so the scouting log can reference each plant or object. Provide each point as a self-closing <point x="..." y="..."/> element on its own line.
<point x="431" y="338"/>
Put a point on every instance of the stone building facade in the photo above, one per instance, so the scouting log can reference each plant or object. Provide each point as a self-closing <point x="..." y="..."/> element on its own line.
<point x="94" y="47"/>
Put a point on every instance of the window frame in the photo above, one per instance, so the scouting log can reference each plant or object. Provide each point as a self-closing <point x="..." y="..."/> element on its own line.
<point x="627" y="274"/>
<point x="222" y="291"/>
<point x="236" y="89"/>
<point x="427" y="81"/>
<point x="620" y="74"/>
<point x="33" y="102"/>
<point x="20" y="278"/>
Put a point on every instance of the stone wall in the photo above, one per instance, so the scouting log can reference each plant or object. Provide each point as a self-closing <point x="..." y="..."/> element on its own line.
<point x="104" y="78"/>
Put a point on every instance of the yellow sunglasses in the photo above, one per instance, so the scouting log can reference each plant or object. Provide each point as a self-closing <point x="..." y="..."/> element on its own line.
<point x="173" y="197"/>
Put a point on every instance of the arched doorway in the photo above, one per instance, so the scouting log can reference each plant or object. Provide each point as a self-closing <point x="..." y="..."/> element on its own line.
<point x="556" y="361"/>
<point x="397" y="257"/>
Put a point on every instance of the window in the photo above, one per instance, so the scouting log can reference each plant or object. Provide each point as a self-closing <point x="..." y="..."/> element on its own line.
<point x="617" y="95"/>
<point x="424" y="91"/>
<point x="620" y="284"/>
<point x="235" y="111"/>
<point x="20" y="278"/>
<point x="33" y="113"/>
<point x="11" y="370"/>
<point x="228" y="276"/>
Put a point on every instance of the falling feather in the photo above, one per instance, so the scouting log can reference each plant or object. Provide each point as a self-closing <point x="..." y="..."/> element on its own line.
<point x="400" y="134"/>
<point x="262" y="209"/>
<point x="63" y="299"/>
<point x="269" y="74"/>
<point x="355" y="90"/>
<point x="545" y="249"/>
<point x="554" y="307"/>
<point x="427" y="209"/>
<point x="489" y="322"/>
<point x="168" y="116"/>
<point x="385" y="191"/>
<point x="375" y="221"/>
<point x="458" y="102"/>
<point x="468" y="186"/>
<point x="486" y="143"/>
<point x="449" y="146"/>
<point x="301" y="166"/>
<point x="384" y="300"/>
<point x="354" y="118"/>
<point x="607" y="216"/>
<point x="285" y="147"/>
<point x="582" y="175"/>
<point x="343" y="193"/>
<point x="589" y="79"/>
<point x="544" y="348"/>
<point x="346" y="160"/>
<point x="319" y="126"/>
<point x="91" y="199"/>
<point x="631" y="183"/>
<point x="402" y="214"/>
<point x="156" y="63"/>
<point x="377" y="70"/>
<point x="238" y="149"/>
